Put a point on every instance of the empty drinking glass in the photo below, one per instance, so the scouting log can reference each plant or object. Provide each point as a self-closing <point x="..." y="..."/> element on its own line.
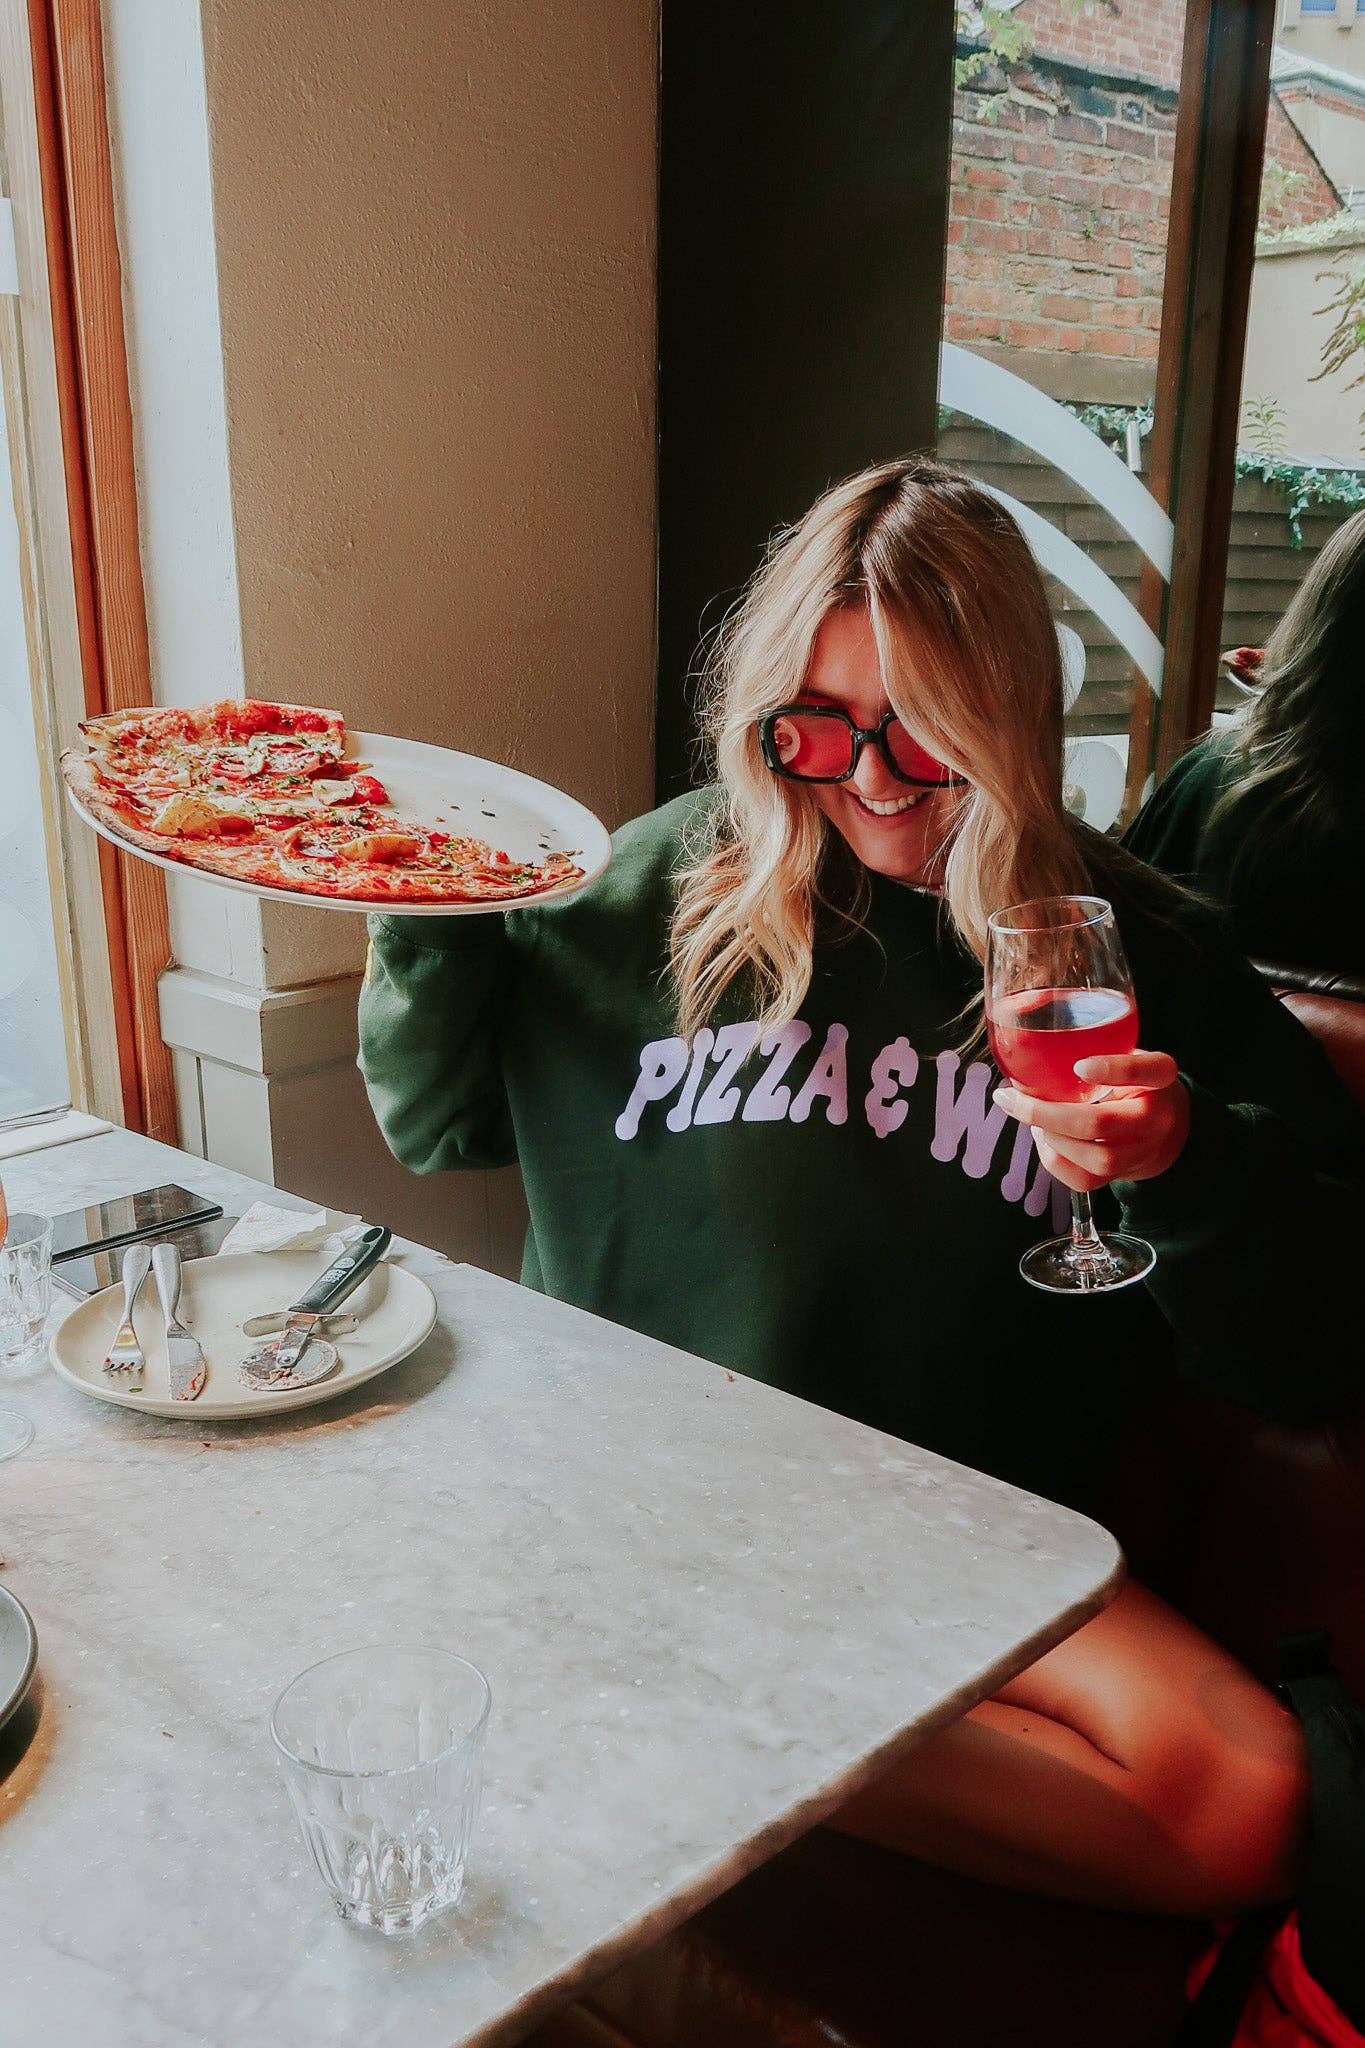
<point x="25" y="1290"/>
<point x="382" y="1751"/>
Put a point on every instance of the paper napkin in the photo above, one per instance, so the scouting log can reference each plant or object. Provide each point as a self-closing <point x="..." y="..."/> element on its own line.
<point x="265" y="1228"/>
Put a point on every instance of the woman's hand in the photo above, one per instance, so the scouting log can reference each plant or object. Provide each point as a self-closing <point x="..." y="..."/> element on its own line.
<point x="1133" y="1132"/>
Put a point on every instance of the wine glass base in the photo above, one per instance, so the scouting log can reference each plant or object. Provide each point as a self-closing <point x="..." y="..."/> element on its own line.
<point x="1059" y="1267"/>
<point x="16" y="1432"/>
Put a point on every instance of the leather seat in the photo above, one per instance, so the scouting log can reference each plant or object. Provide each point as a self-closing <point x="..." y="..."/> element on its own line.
<point x="835" y="1942"/>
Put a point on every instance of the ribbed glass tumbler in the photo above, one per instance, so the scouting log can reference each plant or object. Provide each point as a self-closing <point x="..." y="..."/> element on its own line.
<point x="382" y="1751"/>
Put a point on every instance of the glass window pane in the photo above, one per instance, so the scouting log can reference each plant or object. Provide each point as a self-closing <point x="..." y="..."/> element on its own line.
<point x="1301" y="434"/>
<point x="1063" y="142"/>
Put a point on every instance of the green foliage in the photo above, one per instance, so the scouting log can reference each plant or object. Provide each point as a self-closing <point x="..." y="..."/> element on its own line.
<point x="1347" y="338"/>
<point x="1344" y="348"/>
<point x="1316" y="234"/>
<point x="1263" y="425"/>
<point x="1001" y="38"/>
<point x="1278" y="186"/>
<point x="1305" y="486"/>
<point x="1110" y="422"/>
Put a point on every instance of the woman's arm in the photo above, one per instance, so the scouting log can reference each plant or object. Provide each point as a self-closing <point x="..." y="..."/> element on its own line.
<point x="431" y="1008"/>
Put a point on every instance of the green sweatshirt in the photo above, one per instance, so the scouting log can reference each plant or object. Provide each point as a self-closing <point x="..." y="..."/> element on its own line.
<point x="841" y="1210"/>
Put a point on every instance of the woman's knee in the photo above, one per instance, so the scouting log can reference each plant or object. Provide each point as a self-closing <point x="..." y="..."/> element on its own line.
<point x="1235" y="1806"/>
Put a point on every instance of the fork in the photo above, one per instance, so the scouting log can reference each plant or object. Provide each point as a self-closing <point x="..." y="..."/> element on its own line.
<point x="126" y="1358"/>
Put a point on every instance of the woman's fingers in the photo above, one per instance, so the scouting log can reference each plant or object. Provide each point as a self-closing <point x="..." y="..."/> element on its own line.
<point x="1128" y="1070"/>
<point x="1104" y="1162"/>
<point x="1074" y="1177"/>
<point x="1107" y="1122"/>
<point x="1133" y="1132"/>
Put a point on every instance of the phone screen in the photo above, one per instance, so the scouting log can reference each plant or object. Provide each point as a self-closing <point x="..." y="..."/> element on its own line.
<point x="79" y="1230"/>
<point x="98" y="1270"/>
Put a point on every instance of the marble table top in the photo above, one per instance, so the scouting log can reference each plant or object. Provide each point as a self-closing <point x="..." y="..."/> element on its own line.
<point x="706" y="1610"/>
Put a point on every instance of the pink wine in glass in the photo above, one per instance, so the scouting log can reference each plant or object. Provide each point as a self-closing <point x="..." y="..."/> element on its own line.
<point x="1038" y="1035"/>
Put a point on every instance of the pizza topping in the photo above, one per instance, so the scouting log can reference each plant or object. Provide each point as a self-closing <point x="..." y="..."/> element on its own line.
<point x="192" y="815"/>
<point x="265" y="793"/>
<point x="382" y="847"/>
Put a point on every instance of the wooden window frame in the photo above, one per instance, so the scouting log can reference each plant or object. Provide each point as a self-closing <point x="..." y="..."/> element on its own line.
<point x="1219" y="147"/>
<point x="84" y="293"/>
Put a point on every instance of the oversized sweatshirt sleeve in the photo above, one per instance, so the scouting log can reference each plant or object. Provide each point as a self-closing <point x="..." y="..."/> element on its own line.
<point x="1166" y="831"/>
<point x="1258" y="1226"/>
<point x="433" y="1000"/>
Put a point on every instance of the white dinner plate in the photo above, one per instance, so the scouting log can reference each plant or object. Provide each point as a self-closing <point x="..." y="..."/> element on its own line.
<point x="396" y="1312"/>
<point x="457" y="793"/>
<point x="18" y="1654"/>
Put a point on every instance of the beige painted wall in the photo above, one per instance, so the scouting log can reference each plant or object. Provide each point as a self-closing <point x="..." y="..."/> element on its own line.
<point x="435" y="230"/>
<point x="1286" y="329"/>
<point x="1323" y="37"/>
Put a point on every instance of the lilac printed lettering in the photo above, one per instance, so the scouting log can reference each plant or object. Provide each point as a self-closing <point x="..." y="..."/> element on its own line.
<point x="767" y="1101"/>
<point x="680" y="1116"/>
<point x="895" y="1067"/>
<point x="962" y="1114"/>
<point x="1016" y="1182"/>
<point x="734" y="1043"/>
<point x="827" y="1080"/>
<point x="663" y="1062"/>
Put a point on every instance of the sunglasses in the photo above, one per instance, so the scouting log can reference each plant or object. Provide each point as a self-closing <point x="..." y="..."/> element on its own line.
<point x="821" y="743"/>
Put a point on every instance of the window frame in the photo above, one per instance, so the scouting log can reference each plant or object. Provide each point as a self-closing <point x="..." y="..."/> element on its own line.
<point x="88" y="626"/>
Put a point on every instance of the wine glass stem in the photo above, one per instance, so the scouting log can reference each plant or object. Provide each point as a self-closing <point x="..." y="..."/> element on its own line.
<point x="1086" y="1241"/>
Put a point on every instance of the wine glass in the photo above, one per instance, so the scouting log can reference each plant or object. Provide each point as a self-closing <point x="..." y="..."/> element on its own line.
<point x="1058" y="990"/>
<point x="16" y="1431"/>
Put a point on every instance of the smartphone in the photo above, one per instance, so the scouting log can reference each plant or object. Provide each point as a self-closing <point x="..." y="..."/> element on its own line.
<point x="81" y="1231"/>
<point x="90" y="1274"/>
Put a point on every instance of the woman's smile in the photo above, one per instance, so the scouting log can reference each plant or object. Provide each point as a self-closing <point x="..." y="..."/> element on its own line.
<point x="893" y="807"/>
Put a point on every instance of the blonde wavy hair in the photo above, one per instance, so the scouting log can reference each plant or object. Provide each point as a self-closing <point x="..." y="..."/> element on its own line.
<point x="970" y="664"/>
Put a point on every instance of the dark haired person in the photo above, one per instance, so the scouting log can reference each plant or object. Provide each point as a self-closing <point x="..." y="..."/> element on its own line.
<point x="1267" y="814"/>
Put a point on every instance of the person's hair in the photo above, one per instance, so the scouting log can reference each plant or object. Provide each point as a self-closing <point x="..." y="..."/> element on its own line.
<point x="1298" y="744"/>
<point x="970" y="662"/>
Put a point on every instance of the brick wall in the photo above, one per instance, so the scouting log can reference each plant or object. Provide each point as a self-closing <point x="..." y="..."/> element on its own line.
<point x="1264" y="568"/>
<point x="1301" y="192"/>
<point x="1061" y="178"/>
<point x="1057" y="224"/>
<point x="1138" y="39"/>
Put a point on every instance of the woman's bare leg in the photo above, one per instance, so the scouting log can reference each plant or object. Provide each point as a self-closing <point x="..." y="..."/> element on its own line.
<point x="1136" y="1765"/>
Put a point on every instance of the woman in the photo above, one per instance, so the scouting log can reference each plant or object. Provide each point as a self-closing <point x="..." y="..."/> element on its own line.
<point x="1266" y="815"/>
<point x="742" y="1076"/>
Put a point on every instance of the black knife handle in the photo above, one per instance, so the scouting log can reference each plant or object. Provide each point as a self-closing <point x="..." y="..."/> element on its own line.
<point x="345" y="1273"/>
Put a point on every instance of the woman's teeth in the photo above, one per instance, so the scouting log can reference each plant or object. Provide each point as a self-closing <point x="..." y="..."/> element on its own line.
<point x="890" y="809"/>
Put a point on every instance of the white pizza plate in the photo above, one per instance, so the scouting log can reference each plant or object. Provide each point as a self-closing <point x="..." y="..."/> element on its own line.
<point x="456" y="793"/>
<point x="396" y="1310"/>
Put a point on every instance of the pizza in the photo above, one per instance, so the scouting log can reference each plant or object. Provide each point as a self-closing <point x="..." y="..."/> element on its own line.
<point x="1245" y="662"/>
<point x="265" y="794"/>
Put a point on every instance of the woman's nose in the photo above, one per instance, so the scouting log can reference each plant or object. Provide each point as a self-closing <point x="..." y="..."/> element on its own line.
<point x="872" y="777"/>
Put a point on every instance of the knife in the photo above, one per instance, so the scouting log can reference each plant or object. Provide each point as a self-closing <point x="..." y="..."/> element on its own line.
<point x="328" y="1291"/>
<point x="184" y="1359"/>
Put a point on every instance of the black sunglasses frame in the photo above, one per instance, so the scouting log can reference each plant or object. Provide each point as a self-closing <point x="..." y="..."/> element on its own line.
<point x="861" y="735"/>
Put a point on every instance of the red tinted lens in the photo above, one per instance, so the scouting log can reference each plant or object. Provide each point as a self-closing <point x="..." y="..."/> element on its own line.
<point x="912" y="759"/>
<point x="807" y="744"/>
